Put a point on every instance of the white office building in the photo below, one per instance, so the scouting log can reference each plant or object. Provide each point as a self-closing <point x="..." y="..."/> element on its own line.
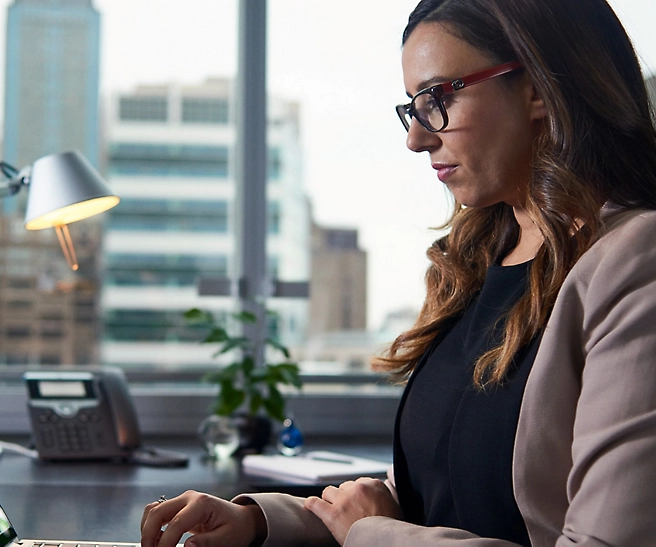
<point x="169" y="159"/>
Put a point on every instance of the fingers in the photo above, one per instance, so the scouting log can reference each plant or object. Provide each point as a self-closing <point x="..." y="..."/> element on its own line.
<point x="359" y="487"/>
<point x="214" y="521"/>
<point x="146" y="513"/>
<point x="319" y="507"/>
<point x="239" y="530"/>
<point x="330" y="494"/>
<point x="362" y="497"/>
<point x="186" y="519"/>
<point x="330" y="514"/>
<point x="184" y="513"/>
<point x="155" y="516"/>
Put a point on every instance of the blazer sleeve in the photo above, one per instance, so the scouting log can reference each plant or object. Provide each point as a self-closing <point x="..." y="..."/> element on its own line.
<point x="289" y="524"/>
<point x="612" y="484"/>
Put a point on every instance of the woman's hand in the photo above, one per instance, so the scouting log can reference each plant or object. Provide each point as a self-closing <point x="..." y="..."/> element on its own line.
<point x="339" y="508"/>
<point x="213" y="521"/>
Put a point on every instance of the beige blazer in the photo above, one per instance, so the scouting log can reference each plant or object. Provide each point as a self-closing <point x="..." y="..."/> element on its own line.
<point x="584" y="468"/>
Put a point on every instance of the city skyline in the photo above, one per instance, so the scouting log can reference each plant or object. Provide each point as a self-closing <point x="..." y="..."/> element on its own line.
<point x="347" y="77"/>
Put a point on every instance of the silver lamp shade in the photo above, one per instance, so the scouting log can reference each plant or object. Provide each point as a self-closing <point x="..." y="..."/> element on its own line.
<point x="65" y="188"/>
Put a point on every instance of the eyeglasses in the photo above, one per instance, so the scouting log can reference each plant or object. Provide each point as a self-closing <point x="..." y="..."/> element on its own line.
<point x="427" y="106"/>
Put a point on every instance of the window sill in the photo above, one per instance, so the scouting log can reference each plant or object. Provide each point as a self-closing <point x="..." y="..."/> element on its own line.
<point x="328" y="409"/>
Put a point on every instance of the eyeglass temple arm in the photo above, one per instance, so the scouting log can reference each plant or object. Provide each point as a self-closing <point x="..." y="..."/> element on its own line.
<point x="459" y="83"/>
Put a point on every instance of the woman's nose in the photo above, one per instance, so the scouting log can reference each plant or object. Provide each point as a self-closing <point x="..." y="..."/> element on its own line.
<point x="420" y="139"/>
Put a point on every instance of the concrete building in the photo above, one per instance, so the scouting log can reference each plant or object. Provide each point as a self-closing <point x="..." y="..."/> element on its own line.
<point x="169" y="156"/>
<point x="338" y="292"/>
<point x="48" y="314"/>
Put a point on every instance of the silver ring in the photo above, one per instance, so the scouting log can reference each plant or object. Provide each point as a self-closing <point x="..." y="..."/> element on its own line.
<point x="162" y="499"/>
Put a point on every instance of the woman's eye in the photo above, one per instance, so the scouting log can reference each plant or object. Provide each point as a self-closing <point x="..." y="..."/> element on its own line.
<point x="430" y="103"/>
<point x="447" y="99"/>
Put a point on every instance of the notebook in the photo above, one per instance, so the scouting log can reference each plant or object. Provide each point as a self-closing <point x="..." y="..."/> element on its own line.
<point x="314" y="467"/>
<point x="9" y="538"/>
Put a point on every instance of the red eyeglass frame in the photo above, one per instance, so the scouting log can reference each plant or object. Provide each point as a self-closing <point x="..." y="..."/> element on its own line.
<point x="438" y="91"/>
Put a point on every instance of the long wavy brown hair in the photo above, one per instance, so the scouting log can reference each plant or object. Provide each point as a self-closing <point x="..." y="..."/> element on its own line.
<point x="598" y="146"/>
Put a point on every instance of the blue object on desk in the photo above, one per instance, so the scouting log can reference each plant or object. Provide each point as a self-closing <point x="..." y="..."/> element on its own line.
<point x="290" y="440"/>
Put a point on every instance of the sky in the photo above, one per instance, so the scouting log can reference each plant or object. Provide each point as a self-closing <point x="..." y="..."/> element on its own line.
<point x="341" y="61"/>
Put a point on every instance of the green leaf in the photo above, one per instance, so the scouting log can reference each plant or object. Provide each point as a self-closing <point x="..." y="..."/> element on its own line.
<point x="271" y="373"/>
<point x="240" y="342"/>
<point x="256" y="403"/>
<point x="214" y="377"/>
<point x="275" y="404"/>
<point x="229" y="399"/>
<point x="277" y="345"/>
<point x="196" y="316"/>
<point x="287" y="373"/>
<point x="260" y="374"/>
<point x="217" y="334"/>
<point x="244" y="317"/>
<point x="227" y="373"/>
<point x="248" y="365"/>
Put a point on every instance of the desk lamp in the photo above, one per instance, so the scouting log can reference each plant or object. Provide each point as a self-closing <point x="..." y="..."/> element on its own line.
<point x="64" y="188"/>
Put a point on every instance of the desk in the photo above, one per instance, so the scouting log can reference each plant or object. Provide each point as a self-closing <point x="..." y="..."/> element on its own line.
<point x="103" y="501"/>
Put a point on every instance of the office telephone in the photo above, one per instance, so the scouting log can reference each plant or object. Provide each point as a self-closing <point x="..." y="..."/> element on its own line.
<point x="88" y="415"/>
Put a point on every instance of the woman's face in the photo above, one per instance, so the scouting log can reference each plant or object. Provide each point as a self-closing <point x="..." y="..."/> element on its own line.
<point x="485" y="153"/>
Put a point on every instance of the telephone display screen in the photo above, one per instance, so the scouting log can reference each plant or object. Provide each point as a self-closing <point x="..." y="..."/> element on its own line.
<point x="61" y="389"/>
<point x="67" y="390"/>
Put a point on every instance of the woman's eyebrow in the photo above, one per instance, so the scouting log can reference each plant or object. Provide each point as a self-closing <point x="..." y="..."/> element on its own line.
<point x="435" y="80"/>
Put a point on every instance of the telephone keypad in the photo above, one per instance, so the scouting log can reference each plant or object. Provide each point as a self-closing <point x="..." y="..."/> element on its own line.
<point x="70" y="435"/>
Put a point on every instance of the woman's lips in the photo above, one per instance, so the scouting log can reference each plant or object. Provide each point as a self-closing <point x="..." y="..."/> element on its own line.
<point x="444" y="171"/>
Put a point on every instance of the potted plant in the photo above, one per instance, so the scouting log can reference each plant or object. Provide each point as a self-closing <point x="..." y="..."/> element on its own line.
<point x="249" y="395"/>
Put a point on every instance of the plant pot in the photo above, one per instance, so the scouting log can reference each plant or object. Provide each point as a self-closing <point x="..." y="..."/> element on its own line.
<point x="254" y="433"/>
<point x="219" y="435"/>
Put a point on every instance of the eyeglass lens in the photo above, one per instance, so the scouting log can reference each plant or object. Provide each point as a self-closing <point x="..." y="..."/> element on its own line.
<point x="429" y="112"/>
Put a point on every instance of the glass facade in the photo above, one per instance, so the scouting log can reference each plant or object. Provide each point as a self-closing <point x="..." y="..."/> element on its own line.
<point x="168" y="160"/>
<point x="52" y="96"/>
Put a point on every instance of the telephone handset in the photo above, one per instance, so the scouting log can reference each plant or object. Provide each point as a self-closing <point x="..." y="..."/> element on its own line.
<point x="88" y="415"/>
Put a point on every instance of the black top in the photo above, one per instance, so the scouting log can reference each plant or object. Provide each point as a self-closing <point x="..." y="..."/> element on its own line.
<point x="454" y="443"/>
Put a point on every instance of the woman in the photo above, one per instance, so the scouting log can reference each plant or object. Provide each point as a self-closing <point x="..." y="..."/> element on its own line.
<point x="532" y="360"/>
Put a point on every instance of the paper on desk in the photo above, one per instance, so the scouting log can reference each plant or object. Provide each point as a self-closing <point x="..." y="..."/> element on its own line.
<point x="319" y="465"/>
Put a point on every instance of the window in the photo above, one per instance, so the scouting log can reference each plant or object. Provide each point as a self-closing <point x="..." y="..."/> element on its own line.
<point x="143" y="109"/>
<point x="170" y="215"/>
<point x="19" y="331"/>
<point x="169" y="160"/>
<point x="195" y="110"/>
<point x="147" y="325"/>
<point x="19" y="304"/>
<point x="348" y="206"/>
<point x="275" y="163"/>
<point x="273" y="221"/>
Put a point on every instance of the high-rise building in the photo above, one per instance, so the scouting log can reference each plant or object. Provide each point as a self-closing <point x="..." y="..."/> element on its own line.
<point x="52" y="79"/>
<point x="48" y="314"/>
<point x="169" y="159"/>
